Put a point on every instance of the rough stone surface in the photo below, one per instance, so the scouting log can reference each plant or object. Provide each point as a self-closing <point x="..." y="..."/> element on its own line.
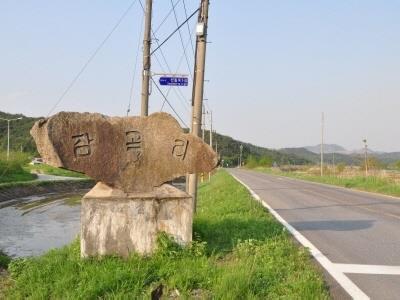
<point x="133" y="154"/>
<point x="116" y="222"/>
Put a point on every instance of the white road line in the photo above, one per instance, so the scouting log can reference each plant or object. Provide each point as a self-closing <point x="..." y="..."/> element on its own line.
<point x="353" y="290"/>
<point x="368" y="269"/>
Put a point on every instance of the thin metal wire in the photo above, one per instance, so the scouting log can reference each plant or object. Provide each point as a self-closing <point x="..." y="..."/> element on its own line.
<point x="179" y="65"/>
<point x="131" y="97"/>
<point x="170" y="105"/>
<point x="188" y="27"/>
<point x="75" y="79"/>
<point x="172" y="33"/>
<point x="182" y="43"/>
<point x="179" y="95"/>
<point x="166" y="17"/>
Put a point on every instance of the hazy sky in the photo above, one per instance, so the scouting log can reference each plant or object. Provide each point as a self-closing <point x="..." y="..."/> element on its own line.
<point x="272" y="66"/>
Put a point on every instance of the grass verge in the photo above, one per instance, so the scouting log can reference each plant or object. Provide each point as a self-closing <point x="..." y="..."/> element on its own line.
<point x="11" y="168"/>
<point x="27" y="184"/>
<point x="369" y="184"/>
<point x="240" y="252"/>
<point x="46" y="169"/>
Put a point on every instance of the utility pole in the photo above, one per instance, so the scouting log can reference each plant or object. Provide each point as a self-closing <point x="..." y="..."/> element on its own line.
<point x="216" y="142"/>
<point x="203" y="125"/>
<point x="322" y="144"/>
<point x="211" y="140"/>
<point x="211" y="130"/>
<point x="333" y="162"/>
<point x="146" y="59"/>
<point x="240" y="156"/>
<point x="8" y="134"/>
<point x="198" y="85"/>
<point x="366" y="156"/>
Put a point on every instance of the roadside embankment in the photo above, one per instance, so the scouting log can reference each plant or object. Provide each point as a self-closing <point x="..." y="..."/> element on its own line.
<point x="240" y="251"/>
<point x="15" y="190"/>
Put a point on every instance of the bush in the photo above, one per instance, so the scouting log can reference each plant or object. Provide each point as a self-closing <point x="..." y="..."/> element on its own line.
<point x="12" y="169"/>
<point x="4" y="260"/>
<point x="340" y="167"/>
<point x="253" y="162"/>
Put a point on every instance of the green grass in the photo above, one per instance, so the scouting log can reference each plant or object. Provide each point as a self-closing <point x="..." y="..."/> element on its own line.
<point x="11" y="170"/>
<point x="8" y="185"/>
<point x="240" y="252"/>
<point x="46" y="169"/>
<point x="4" y="260"/>
<point x="369" y="184"/>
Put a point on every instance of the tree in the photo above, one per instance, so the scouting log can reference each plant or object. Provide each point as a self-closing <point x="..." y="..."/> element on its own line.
<point x="340" y="167"/>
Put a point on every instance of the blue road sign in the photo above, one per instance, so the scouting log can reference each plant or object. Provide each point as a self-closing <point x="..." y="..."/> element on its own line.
<point x="174" y="81"/>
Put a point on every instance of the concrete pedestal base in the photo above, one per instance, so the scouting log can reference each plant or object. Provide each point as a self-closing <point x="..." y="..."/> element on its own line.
<point x="117" y="223"/>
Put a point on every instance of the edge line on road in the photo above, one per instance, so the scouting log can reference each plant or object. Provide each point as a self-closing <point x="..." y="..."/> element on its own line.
<point x="368" y="269"/>
<point x="331" y="185"/>
<point x="352" y="289"/>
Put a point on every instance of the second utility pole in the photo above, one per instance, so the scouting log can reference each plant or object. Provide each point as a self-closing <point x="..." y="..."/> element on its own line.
<point x="146" y="59"/>
<point x="198" y="85"/>
<point x="211" y="140"/>
<point x="322" y="144"/>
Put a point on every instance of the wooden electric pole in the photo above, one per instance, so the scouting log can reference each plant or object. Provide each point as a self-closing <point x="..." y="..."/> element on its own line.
<point x="211" y="139"/>
<point x="146" y="59"/>
<point x="198" y="85"/>
<point x="240" y="156"/>
<point x="322" y="144"/>
<point x="366" y="156"/>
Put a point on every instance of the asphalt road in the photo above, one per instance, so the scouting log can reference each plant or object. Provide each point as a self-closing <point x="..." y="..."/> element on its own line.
<point x="359" y="233"/>
<point x="46" y="177"/>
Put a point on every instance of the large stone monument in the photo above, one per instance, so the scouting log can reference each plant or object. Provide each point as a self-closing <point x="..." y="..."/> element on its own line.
<point x="132" y="158"/>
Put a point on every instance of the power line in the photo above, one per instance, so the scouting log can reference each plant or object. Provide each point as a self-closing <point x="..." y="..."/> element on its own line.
<point x="166" y="17"/>
<point x="75" y="79"/>
<point x="135" y="68"/>
<point x="179" y="27"/>
<point x="170" y="105"/>
<point x="179" y="95"/>
<point x="188" y="27"/>
<point x="182" y="43"/>
<point x="179" y="64"/>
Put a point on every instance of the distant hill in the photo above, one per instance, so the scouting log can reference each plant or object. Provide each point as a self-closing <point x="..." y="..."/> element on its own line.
<point x="19" y="133"/>
<point x="328" y="148"/>
<point x="328" y="156"/>
<point x="229" y="150"/>
<point x="388" y="158"/>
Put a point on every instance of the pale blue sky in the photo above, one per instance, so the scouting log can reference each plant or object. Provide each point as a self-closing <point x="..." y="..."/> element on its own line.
<point x="273" y="66"/>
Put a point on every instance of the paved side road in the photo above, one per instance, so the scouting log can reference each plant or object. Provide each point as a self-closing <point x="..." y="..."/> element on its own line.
<point x="357" y="233"/>
<point x="46" y="177"/>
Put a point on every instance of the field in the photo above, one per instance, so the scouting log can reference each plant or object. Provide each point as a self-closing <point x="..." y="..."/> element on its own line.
<point x="240" y="252"/>
<point x="378" y="181"/>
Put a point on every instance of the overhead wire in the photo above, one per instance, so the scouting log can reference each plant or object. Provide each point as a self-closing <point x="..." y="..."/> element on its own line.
<point x="170" y="105"/>
<point x="179" y="64"/>
<point x="173" y="32"/>
<point x="188" y="27"/>
<point x="182" y="43"/>
<point x="182" y="98"/>
<point x="131" y="98"/>
<point x="166" y="17"/>
<point x="92" y="56"/>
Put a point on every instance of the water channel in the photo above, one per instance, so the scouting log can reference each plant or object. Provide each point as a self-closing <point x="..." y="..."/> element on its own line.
<point x="31" y="226"/>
